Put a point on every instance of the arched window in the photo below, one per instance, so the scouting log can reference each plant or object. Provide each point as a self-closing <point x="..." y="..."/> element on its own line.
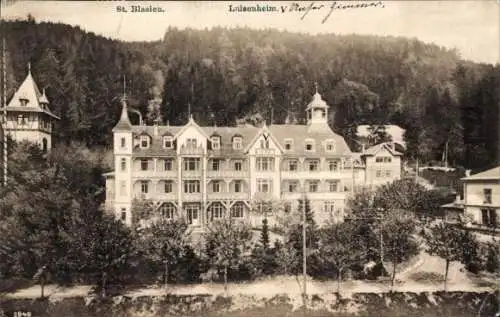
<point x="167" y="211"/>
<point x="237" y="210"/>
<point x="216" y="211"/>
<point x="44" y="144"/>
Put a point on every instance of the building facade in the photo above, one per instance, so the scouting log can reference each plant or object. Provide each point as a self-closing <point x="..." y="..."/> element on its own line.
<point x="206" y="173"/>
<point x="28" y="115"/>
<point x="482" y="197"/>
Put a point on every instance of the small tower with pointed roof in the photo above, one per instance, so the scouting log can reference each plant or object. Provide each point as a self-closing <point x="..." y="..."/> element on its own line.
<point x="28" y="115"/>
<point x="123" y="147"/>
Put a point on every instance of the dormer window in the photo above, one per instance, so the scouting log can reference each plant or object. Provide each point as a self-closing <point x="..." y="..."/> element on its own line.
<point x="330" y="146"/>
<point x="237" y="142"/>
<point x="23" y="101"/>
<point x="309" y="146"/>
<point x="288" y="144"/>
<point x="215" y="140"/>
<point x="144" y="141"/>
<point x="168" y="142"/>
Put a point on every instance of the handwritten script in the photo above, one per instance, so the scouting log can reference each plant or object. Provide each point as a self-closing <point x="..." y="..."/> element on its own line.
<point x="306" y="9"/>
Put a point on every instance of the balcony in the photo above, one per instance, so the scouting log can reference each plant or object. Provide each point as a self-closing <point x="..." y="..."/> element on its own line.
<point x="184" y="150"/>
<point x="166" y="174"/>
<point x="166" y="196"/>
<point x="228" y="195"/>
<point x="191" y="174"/>
<point x="265" y="152"/>
<point x="191" y="197"/>
<point x="227" y="174"/>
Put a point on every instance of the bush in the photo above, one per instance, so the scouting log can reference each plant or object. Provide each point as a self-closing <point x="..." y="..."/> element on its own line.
<point x="427" y="277"/>
<point x="9" y="285"/>
<point x="492" y="262"/>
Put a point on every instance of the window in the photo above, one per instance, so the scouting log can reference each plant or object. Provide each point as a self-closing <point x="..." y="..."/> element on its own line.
<point x="216" y="211"/>
<point x="123" y="165"/>
<point x="215" y="142"/>
<point x="292" y="165"/>
<point x="123" y="188"/>
<point x="329" y="146"/>
<point x="292" y="187"/>
<point x="238" y="166"/>
<point x="123" y="143"/>
<point x="237" y="210"/>
<point x="144" y="164"/>
<point x="191" y="164"/>
<point x="215" y="165"/>
<point x="309" y="145"/>
<point x="388" y="173"/>
<point x="237" y="142"/>
<point x="329" y="207"/>
<point x="333" y="186"/>
<point x="489" y="217"/>
<point x="144" y="187"/>
<point x="313" y="186"/>
<point x="168" y="142"/>
<point x="265" y="164"/>
<point x="264" y="185"/>
<point x="383" y="159"/>
<point x="378" y="173"/>
<point x="168" y="187"/>
<point x="168" y="164"/>
<point x="192" y="186"/>
<point x="333" y="165"/>
<point x="238" y="186"/>
<point x="216" y="186"/>
<point x="264" y="143"/>
<point x="191" y="143"/>
<point x="313" y="165"/>
<point x="123" y="214"/>
<point x="21" y="120"/>
<point x="487" y="195"/>
<point x="288" y="144"/>
<point x="167" y="211"/>
<point x="144" y="141"/>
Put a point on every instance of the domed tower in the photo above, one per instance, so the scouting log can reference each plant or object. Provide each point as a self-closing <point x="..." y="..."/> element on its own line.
<point x="317" y="113"/>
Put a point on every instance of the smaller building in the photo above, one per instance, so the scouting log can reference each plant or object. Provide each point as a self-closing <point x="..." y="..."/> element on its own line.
<point x="377" y="165"/>
<point x="482" y="197"/>
<point x="28" y="115"/>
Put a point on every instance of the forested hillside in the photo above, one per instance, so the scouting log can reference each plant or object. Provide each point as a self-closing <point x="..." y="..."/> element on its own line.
<point x="230" y="74"/>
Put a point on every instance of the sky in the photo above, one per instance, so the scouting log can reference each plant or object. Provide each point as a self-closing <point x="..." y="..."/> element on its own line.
<point x="471" y="27"/>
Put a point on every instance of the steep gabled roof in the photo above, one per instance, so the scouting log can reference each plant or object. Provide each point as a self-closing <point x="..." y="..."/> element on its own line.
<point x="376" y="148"/>
<point x="260" y="132"/>
<point x="491" y="174"/>
<point x="30" y="92"/>
<point x="191" y="123"/>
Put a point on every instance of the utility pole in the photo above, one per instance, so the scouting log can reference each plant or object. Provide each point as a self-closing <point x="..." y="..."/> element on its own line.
<point x="304" y="253"/>
<point x="4" y="104"/>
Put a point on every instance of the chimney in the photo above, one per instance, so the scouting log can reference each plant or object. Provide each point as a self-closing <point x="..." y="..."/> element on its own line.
<point x="155" y="128"/>
<point x="467" y="173"/>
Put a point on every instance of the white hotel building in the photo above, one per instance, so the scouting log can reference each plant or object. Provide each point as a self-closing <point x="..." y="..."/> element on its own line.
<point x="205" y="173"/>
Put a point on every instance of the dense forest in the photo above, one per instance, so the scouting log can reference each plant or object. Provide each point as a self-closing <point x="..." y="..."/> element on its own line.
<point x="225" y="76"/>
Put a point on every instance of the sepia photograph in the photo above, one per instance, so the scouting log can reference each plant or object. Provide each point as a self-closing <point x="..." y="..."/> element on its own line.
<point x="245" y="159"/>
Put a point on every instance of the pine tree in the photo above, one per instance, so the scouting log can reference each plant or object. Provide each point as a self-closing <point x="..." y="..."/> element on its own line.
<point x="264" y="236"/>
